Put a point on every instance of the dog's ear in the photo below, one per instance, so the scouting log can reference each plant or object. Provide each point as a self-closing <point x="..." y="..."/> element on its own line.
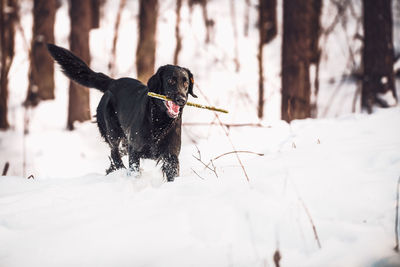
<point x="191" y="82"/>
<point x="154" y="83"/>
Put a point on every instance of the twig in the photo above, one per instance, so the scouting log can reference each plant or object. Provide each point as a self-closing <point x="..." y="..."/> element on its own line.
<point x="228" y="125"/>
<point x="277" y="257"/>
<point x="199" y="159"/>
<point x="5" y="169"/>
<point x="396" y="228"/>
<point x="311" y="221"/>
<point x="31" y="176"/>
<point x="227" y="134"/>
<point x="206" y="165"/>
<point x="238" y="151"/>
<point x="197" y="174"/>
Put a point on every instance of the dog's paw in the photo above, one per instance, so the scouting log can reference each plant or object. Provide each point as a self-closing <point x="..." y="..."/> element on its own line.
<point x="135" y="173"/>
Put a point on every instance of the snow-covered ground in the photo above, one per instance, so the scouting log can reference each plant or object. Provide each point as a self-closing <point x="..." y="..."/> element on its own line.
<point x="340" y="172"/>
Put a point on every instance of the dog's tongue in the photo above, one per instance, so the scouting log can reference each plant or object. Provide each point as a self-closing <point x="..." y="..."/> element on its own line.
<point x="173" y="108"/>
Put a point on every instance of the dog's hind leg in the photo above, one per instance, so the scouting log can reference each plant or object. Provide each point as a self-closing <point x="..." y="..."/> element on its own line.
<point x="110" y="129"/>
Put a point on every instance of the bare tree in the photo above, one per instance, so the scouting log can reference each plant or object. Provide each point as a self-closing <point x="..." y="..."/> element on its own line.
<point x="146" y="50"/>
<point x="41" y="71"/>
<point x="178" y="37"/>
<point x="267" y="31"/>
<point x="8" y="19"/>
<point x="95" y="7"/>
<point x="378" y="55"/>
<point x="209" y="23"/>
<point x="111" y="64"/>
<point x="81" y="23"/>
<point x="296" y="59"/>
<point x="315" y="51"/>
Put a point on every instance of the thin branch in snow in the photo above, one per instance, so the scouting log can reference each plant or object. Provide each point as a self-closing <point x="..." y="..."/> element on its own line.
<point x="5" y="169"/>
<point x="31" y="176"/>
<point x="311" y="221"/>
<point x="206" y="165"/>
<point x="233" y="152"/>
<point x="227" y="125"/>
<point x="197" y="174"/>
<point x="277" y="257"/>
<point x="396" y="227"/>
<point x="226" y="133"/>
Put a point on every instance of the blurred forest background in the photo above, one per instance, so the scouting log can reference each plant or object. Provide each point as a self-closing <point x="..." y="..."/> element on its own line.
<point x="303" y="37"/>
<point x="273" y="64"/>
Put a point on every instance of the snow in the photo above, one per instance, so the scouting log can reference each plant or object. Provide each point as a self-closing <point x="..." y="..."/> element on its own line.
<point x="340" y="170"/>
<point x="344" y="170"/>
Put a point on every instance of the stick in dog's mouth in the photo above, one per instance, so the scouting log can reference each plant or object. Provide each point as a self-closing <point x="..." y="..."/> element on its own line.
<point x="162" y="97"/>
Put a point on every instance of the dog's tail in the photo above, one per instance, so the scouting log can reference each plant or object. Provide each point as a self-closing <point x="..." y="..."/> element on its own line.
<point x="77" y="70"/>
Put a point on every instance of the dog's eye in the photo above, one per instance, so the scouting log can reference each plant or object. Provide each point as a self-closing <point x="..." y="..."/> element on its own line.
<point x="171" y="81"/>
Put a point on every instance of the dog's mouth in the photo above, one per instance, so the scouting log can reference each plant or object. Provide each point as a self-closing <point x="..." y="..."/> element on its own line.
<point x="172" y="109"/>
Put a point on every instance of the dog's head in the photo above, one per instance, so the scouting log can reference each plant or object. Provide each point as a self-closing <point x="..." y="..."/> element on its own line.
<point x="174" y="82"/>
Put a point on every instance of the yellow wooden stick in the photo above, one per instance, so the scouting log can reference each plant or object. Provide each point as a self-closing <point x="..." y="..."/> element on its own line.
<point x="162" y="97"/>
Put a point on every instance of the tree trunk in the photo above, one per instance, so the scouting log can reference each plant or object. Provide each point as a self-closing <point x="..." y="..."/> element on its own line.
<point x="296" y="59"/>
<point x="315" y="51"/>
<point x="178" y="37"/>
<point x="267" y="20"/>
<point x="8" y="18"/>
<point x="111" y="64"/>
<point x="267" y="31"/>
<point x="378" y="55"/>
<point x="41" y="71"/>
<point x="81" y="22"/>
<point x="146" y="50"/>
<point x="208" y="23"/>
<point x="96" y="12"/>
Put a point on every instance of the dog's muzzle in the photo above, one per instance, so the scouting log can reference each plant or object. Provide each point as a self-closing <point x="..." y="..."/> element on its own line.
<point x="172" y="109"/>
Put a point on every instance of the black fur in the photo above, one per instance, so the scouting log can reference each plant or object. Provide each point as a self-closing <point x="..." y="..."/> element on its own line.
<point x="126" y="116"/>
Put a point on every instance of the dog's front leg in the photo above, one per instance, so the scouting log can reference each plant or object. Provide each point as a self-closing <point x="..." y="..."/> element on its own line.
<point x="134" y="162"/>
<point x="170" y="167"/>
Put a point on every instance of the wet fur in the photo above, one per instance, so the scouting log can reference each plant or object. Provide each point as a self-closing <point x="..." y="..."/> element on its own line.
<point x="128" y="118"/>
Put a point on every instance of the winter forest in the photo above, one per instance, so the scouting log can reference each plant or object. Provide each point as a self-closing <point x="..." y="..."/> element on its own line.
<point x="303" y="170"/>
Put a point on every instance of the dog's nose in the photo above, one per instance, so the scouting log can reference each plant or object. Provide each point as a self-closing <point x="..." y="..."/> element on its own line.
<point x="181" y="101"/>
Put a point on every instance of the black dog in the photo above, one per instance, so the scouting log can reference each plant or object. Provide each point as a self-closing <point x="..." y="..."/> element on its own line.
<point x="144" y="126"/>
